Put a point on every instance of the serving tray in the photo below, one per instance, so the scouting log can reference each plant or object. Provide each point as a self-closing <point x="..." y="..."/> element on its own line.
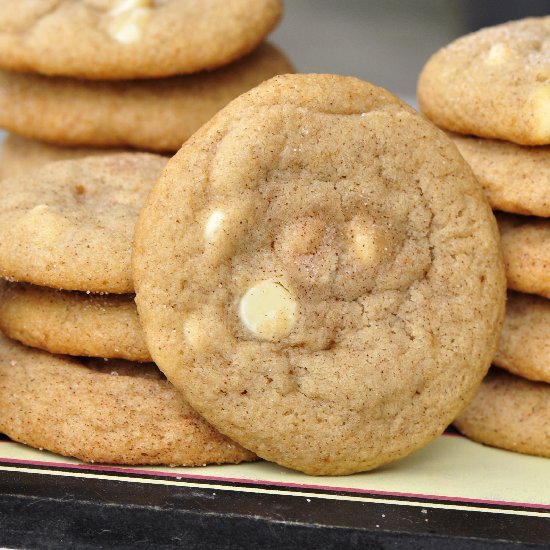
<point x="454" y="491"/>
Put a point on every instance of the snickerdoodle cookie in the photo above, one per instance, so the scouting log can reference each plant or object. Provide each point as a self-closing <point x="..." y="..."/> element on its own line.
<point x="515" y="178"/>
<point x="526" y="249"/>
<point x="154" y="115"/>
<point x="524" y="347"/>
<point x="122" y="39"/>
<point x="318" y="272"/>
<point x="72" y="323"/>
<point x="97" y="411"/>
<point x="19" y="155"/>
<point x="493" y="83"/>
<point x="69" y="225"/>
<point x="511" y="413"/>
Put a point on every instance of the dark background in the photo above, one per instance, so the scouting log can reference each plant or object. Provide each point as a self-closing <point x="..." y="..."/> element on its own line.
<point x="385" y="41"/>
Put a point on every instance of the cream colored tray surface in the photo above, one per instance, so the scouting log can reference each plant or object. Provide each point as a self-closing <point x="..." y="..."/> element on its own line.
<point x="452" y="472"/>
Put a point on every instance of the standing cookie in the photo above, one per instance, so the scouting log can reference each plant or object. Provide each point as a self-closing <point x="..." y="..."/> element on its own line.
<point x="331" y="287"/>
<point x="123" y="39"/>
<point x="494" y="83"/>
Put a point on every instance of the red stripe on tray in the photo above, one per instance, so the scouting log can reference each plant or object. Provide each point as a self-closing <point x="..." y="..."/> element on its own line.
<point x="101" y="468"/>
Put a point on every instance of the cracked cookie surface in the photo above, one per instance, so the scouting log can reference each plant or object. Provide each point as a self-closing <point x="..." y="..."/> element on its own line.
<point x="127" y="39"/>
<point x="103" y="411"/>
<point x="493" y="83"/>
<point x="69" y="224"/>
<point x="153" y="115"/>
<point x="72" y="323"/>
<point x="331" y="284"/>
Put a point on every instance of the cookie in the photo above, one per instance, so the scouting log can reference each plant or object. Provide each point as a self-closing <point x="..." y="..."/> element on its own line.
<point x="69" y="225"/>
<point x="524" y="347"/>
<point x="331" y="282"/>
<point x="515" y="178"/>
<point x="526" y="249"/>
<point x="72" y="323"/>
<point x="510" y="413"/>
<point x="154" y="115"/>
<point x="19" y="155"/>
<point x="126" y="39"/>
<point x="97" y="411"/>
<point x="493" y="83"/>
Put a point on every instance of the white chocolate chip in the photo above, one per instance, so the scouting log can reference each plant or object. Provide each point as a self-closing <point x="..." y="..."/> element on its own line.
<point x="127" y="19"/>
<point x="202" y="330"/>
<point x="212" y="224"/>
<point x="127" y="27"/>
<point x="268" y="310"/>
<point x="365" y="246"/>
<point x="192" y="333"/>
<point x="39" y="208"/>
<point x="368" y="242"/>
<point x="129" y="5"/>
<point x="498" y="54"/>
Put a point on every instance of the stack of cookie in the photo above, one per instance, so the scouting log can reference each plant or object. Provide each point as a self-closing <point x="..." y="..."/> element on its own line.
<point x="65" y="245"/>
<point x="492" y="90"/>
<point x="136" y="74"/>
<point x="304" y="279"/>
<point x="82" y="77"/>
